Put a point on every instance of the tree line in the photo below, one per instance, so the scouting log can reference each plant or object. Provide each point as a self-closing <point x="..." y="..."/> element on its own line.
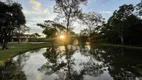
<point x="123" y="27"/>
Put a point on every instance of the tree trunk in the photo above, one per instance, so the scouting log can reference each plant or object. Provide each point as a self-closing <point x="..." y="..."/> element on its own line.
<point x="68" y="25"/>
<point x="122" y="40"/>
<point x="12" y="37"/>
<point x="1" y="40"/>
<point x="4" y="45"/>
<point x="69" y="68"/>
<point x="90" y="32"/>
<point x="52" y="44"/>
<point x="67" y="33"/>
<point x="122" y="36"/>
<point x="19" y="41"/>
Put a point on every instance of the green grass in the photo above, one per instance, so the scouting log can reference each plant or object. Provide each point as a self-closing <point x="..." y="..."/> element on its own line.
<point x="122" y="46"/>
<point x="15" y="49"/>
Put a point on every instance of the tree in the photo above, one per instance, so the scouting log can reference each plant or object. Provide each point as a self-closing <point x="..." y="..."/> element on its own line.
<point x="84" y="32"/>
<point x="36" y="35"/>
<point x="123" y="27"/>
<point x="3" y="19"/>
<point x="18" y="31"/>
<point x="134" y="32"/>
<point x="69" y="10"/>
<point x="52" y="29"/>
<point x="118" y="23"/>
<point x="11" y="17"/>
<point x="19" y="19"/>
<point x="92" y="20"/>
<point x="138" y="8"/>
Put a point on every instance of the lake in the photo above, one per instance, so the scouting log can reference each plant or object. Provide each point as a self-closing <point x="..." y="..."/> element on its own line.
<point x="76" y="63"/>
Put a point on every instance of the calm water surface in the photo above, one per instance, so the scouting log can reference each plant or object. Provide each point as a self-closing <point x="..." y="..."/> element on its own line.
<point x="79" y="63"/>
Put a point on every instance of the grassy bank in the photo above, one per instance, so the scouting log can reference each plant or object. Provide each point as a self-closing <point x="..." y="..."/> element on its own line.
<point x="15" y="48"/>
<point x="123" y="46"/>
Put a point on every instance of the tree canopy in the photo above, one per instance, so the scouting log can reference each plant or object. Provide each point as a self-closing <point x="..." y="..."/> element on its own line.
<point x="11" y="17"/>
<point x="92" y="20"/>
<point x="68" y="10"/>
<point x="52" y="29"/>
<point x="123" y="27"/>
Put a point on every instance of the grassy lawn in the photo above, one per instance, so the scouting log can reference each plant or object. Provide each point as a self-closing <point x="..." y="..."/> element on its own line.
<point x="15" y="49"/>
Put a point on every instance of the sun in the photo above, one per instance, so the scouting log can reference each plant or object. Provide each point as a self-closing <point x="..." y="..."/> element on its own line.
<point x="62" y="36"/>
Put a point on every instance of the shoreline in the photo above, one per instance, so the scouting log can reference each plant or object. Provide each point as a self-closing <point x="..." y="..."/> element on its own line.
<point x="16" y="49"/>
<point x="122" y="46"/>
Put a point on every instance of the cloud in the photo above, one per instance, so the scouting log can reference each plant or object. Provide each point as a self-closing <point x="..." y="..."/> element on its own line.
<point x="31" y="12"/>
<point x="35" y="4"/>
<point x="105" y="12"/>
<point x="33" y="17"/>
<point x="45" y="11"/>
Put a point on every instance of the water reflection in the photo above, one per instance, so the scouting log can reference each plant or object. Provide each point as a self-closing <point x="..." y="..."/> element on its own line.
<point x="123" y="64"/>
<point x="76" y="63"/>
<point x="12" y="71"/>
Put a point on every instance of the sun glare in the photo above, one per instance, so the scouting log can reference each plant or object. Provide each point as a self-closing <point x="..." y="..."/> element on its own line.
<point x="62" y="36"/>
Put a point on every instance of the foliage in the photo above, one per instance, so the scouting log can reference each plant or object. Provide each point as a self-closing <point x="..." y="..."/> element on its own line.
<point x="119" y="21"/>
<point x="19" y="31"/>
<point x="52" y="29"/>
<point x="123" y="27"/>
<point x="11" y="71"/>
<point x="68" y="10"/>
<point x="36" y="35"/>
<point x="139" y="9"/>
<point x="92" y="20"/>
<point x="84" y="32"/>
<point x="11" y="17"/>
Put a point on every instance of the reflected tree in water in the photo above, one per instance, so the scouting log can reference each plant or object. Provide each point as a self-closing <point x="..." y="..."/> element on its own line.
<point x="63" y="64"/>
<point x="55" y="61"/>
<point x="10" y="71"/>
<point x="53" y="64"/>
<point x="122" y="64"/>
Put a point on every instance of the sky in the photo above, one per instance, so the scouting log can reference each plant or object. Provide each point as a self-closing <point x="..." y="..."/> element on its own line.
<point x="37" y="11"/>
